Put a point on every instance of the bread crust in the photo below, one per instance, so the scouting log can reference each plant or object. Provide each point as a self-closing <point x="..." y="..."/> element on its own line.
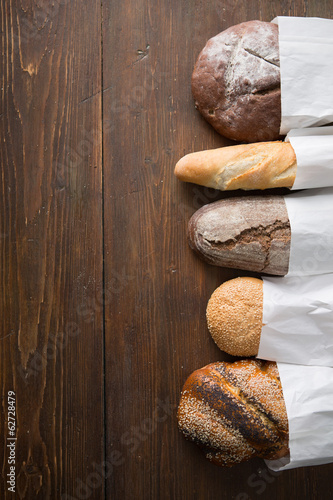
<point x="246" y="166"/>
<point x="235" y="411"/>
<point x="250" y="233"/>
<point x="236" y="82"/>
<point x="234" y="316"/>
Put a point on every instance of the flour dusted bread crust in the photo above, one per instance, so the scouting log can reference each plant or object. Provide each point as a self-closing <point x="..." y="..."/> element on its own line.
<point x="236" y="82"/>
<point x="260" y="165"/>
<point x="235" y="411"/>
<point x="250" y="233"/>
<point x="234" y="316"/>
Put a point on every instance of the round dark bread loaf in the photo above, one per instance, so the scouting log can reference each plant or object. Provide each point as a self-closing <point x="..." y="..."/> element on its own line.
<point x="235" y="411"/>
<point x="236" y="82"/>
<point x="250" y="233"/>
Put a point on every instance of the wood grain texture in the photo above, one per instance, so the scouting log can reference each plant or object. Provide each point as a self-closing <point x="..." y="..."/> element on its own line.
<point x="155" y="327"/>
<point x="96" y="109"/>
<point x="51" y="244"/>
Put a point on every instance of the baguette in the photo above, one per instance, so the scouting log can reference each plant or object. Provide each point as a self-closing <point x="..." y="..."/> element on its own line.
<point x="234" y="316"/>
<point x="250" y="233"/>
<point x="246" y="166"/>
<point x="235" y="411"/>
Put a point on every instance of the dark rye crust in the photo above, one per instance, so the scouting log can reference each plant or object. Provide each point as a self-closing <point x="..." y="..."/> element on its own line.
<point x="236" y="82"/>
<point x="235" y="411"/>
<point x="250" y="233"/>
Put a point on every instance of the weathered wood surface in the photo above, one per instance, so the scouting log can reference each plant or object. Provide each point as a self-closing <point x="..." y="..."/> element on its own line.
<point x="97" y="279"/>
<point x="51" y="244"/>
<point x="155" y="328"/>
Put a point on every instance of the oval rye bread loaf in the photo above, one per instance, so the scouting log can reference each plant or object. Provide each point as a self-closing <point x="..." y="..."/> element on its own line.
<point x="250" y="233"/>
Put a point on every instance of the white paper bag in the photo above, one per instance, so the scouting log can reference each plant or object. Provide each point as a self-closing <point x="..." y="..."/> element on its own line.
<point x="306" y="55"/>
<point x="311" y="220"/>
<point x="308" y="394"/>
<point x="314" y="155"/>
<point x="298" y="320"/>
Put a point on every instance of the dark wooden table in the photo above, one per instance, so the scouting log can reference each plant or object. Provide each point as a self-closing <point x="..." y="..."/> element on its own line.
<point x="102" y="302"/>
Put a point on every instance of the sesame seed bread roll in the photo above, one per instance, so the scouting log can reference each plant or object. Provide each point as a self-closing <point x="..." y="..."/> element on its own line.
<point x="247" y="166"/>
<point x="234" y="316"/>
<point x="235" y="411"/>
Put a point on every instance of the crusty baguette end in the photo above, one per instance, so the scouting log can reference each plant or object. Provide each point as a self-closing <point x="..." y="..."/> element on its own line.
<point x="246" y="166"/>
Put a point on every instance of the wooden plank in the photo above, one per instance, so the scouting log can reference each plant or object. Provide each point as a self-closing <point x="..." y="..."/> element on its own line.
<point x="51" y="247"/>
<point x="156" y="333"/>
